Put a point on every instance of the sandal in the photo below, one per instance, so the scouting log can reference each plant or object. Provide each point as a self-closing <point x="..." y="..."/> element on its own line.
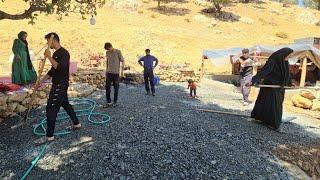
<point x="73" y="128"/>
<point x="42" y="140"/>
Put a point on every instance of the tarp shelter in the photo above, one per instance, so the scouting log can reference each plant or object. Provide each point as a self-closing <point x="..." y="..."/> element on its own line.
<point x="220" y="58"/>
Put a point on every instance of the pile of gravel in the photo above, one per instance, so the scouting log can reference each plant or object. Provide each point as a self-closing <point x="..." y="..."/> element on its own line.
<point x="159" y="137"/>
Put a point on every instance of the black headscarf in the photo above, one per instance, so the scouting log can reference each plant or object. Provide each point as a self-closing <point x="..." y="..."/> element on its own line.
<point x="278" y="58"/>
<point x="20" y="36"/>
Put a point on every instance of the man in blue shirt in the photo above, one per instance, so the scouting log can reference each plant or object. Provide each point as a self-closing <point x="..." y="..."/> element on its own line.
<point x="148" y="70"/>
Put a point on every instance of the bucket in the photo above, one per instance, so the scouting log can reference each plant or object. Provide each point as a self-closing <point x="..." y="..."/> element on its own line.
<point x="156" y="80"/>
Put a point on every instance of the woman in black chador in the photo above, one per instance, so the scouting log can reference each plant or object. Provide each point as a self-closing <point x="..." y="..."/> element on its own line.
<point x="268" y="106"/>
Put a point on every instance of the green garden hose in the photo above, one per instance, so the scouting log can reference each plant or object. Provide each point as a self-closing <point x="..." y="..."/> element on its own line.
<point x="40" y="130"/>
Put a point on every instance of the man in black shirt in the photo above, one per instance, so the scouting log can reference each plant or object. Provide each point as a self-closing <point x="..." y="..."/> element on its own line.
<point x="59" y="72"/>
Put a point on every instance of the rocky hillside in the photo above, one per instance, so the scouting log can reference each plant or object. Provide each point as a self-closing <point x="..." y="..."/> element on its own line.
<point x="176" y="34"/>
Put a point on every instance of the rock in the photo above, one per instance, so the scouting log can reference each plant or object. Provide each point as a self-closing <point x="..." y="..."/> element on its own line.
<point x="3" y="107"/>
<point x="20" y="108"/>
<point x="131" y="5"/>
<point x="3" y="100"/>
<point x="42" y="101"/>
<point x="213" y="162"/>
<point x="212" y="24"/>
<point x="12" y="106"/>
<point x="246" y="20"/>
<point x="307" y="94"/>
<point x="42" y="94"/>
<point x="26" y="101"/>
<point x="17" y="97"/>
<point x="316" y="105"/>
<point x="203" y="3"/>
<point x="302" y="102"/>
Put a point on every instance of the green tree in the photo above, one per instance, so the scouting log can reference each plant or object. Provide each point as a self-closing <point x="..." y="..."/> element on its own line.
<point x="317" y="2"/>
<point x="218" y="4"/>
<point x="60" y="7"/>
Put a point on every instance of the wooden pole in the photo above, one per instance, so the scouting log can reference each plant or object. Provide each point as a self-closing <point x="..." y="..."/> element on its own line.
<point x="33" y="95"/>
<point x="222" y="112"/>
<point x="202" y="67"/>
<point x="303" y="72"/>
<point x="285" y="87"/>
<point x="255" y="70"/>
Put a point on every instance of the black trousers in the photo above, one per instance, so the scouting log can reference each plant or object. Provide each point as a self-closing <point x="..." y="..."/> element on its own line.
<point x="193" y="91"/>
<point x="58" y="97"/>
<point x="114" y="80"/>
<point x="148" y="78"/>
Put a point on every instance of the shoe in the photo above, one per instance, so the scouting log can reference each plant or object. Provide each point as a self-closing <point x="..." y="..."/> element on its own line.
<point x="114" y="104"/>
<point x="242" y="101"/>
<point x="148" y="93"/>
<point x="153" y="94"/>
<point x="107" y="105"/>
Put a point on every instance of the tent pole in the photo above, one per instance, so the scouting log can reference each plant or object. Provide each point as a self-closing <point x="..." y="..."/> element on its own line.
<point x="303" y="72"/>
<point x="202" y="67"/>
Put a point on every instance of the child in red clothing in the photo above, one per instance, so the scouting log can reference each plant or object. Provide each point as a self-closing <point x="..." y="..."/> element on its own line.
<point x="192" y="85"/>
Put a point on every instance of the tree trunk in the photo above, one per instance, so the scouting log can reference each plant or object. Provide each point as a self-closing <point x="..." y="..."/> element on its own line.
<point x="159" y="4"/>
<point x="26" y="14"/>
<point x="218" y="7"/>
<point x="319" y="6"/>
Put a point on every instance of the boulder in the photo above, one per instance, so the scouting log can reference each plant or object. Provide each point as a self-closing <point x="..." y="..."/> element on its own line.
<point x="3" y="106"/>
<point x="42" y="101"/>
<point x="20" y="108"/>
<point x="12" y="106"/>
<point x="17" y="97"/>
<point x="307" y="94"/>
<point x="42" y="94"/>
<point x="316" y="105"/>
<point x="3" y="100"/>
<point x="302" y="102"/>
<point x="26" y="101"/>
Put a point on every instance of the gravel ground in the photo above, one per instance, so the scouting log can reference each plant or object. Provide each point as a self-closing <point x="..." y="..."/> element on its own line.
<point x="161" y="137"/>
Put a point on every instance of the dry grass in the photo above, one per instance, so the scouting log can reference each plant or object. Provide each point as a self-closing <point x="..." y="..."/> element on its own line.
<point x="282" y="35"/>
<point x="172" y="38"/>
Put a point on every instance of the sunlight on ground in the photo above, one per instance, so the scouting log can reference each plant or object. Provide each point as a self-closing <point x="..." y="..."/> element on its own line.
<point x="53" y="162"/>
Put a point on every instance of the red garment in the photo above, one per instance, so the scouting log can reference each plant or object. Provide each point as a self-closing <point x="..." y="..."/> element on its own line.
<point x="9" y="87"/>
<point x="192" y="85"/>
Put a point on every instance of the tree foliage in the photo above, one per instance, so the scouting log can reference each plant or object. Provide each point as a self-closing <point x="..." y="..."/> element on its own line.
<point x="318" y="4"/>
<point x="60" y="7"/>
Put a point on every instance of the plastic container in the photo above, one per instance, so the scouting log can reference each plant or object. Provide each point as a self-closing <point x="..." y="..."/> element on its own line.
<point x="156" y="80"/>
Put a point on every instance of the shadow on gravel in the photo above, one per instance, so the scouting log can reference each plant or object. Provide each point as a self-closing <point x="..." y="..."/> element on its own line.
<point x="161" y="137"/>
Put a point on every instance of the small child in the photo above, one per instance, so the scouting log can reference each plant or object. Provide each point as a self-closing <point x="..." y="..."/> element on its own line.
<point x="193" y="88"/>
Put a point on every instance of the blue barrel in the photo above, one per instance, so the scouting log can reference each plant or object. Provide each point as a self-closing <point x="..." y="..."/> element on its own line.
<point x="156" y="80"/>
